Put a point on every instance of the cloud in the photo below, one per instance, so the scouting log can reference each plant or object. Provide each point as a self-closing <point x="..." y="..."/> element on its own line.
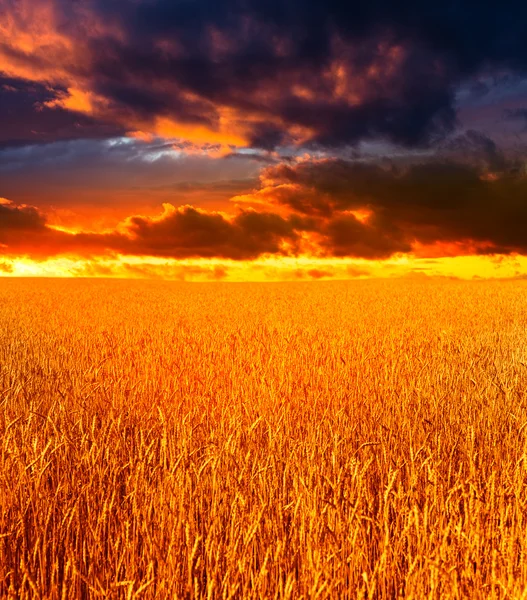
<point x="95" y="183"/>
<point x="183" y="232"/>
<point x="187" y="232"/>
<point x="325" y="208"/>
<point x="372" y="211"/>
<point x="517" y="114"/>
<point x="473" y="147"/>
<point x="147" y="270"/>
<point x="19" y="220"/>
<point x="345" y="235"/>
<point x="6" y="267"/>
<point x="315" y="273"/>
<point x="29" y="116"/>
<point x="353" y="271"/>
<point x="245" y="73"/>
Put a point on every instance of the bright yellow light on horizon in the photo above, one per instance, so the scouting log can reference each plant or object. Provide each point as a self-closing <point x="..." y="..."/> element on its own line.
<point x="266" y="269"/>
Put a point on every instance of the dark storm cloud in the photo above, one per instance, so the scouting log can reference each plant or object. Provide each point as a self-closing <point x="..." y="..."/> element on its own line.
<point x="26" y="117"/>
<point x="475" y="148"/>
<point x="177" y="233"/>
<point x="517" y="114"/>
<point x="426" y="203"/>
<point x="229" y="51"/>
<point x="187" y="232"/>
<point x="345" y="235"/>
<point x="19" y="220"/>
<point x="276" y="72"/>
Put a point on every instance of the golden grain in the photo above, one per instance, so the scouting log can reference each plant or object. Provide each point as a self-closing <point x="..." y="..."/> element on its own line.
<point x="329" y="440"/>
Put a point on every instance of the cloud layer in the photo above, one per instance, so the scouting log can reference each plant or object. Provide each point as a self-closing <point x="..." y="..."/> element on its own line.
<point x="122" y="105"/>
<point x="324" y="208"/>
<point x="369" y="210"/>
<point x="250" y="73"/>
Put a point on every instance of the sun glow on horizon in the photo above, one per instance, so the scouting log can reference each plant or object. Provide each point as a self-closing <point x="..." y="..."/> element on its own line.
<point x="266" y="269"/>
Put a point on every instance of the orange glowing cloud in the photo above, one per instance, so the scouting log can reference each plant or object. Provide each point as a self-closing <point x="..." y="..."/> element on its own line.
<point x="201" y="135"/>
<point x="310" y="208"/>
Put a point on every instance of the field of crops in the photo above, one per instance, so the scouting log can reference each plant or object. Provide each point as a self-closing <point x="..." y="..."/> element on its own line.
<point x="303" y="440"/>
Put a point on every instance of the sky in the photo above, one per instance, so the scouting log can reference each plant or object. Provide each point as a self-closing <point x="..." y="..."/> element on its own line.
<point x="263" y="139"/>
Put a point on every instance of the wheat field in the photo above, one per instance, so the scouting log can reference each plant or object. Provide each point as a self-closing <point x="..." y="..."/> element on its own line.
<point x="298" y="440"/>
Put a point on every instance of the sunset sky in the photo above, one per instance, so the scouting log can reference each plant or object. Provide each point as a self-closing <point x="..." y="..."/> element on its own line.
<point x="263" y="139"/>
